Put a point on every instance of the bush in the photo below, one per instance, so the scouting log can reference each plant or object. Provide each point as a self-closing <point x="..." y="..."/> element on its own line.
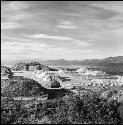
<point x="86" y="109"/>
<point x="9" y="111"/>
<point x="89" y="109"/>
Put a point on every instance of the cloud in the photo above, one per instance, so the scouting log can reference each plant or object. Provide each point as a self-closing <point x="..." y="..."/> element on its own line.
<point x="66" y="27"/>
<point x="10" y="39"/>
<point x="11" y="13"/>
<point x="66" y="24"/>
<point x="10" y="25"/>
<point x="14" y="6"/>
<point x="88" y="51"/>
<point x="70" y="14"/>
<point x="105" y="15"/>
<point x="70" y="27"/>
<point x="22" y="50"/>
<point x="19" y="17"/>
<point x="63" y="38"/>
<point x="110" y="5"/>
<point x="81" y="43"/>
<point x="44" y="36"/>
<point x="16" y="50"/>
<point x="23" y="47"/>
<point x="26" y="50"/>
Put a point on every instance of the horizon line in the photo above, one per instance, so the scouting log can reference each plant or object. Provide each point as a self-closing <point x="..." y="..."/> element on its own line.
<point x="38" y="59"/>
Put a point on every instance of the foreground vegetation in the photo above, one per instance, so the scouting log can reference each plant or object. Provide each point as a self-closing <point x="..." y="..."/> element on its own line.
<point x="88" y="108"/>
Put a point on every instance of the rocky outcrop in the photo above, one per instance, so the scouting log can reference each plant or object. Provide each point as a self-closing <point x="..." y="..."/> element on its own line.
<point x="120" y="80"/>
<point x="6" y="73"/>
<point x="42" y="75"/>
<point x="33" y="66"/>
<point x="46" y="76"/>
<point x="21" y="66"/>
<point x="86" y="72"/>
<point x="55" y="84"/>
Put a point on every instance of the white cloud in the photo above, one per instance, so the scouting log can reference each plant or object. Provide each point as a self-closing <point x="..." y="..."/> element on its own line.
<point x="20" y="17"/>
<point x="44" y="36"/>
<point x="14" y="6"/>
<point x="72" y="40"/>
<point x="29" y="50"/>
<point x="17" y="47"/>
<point x="10" y="25"/>
<point x="81" y="43"/>
<point x="71" y="14"/>
<point x="23" y="50"/>
<point x="88" y="51"/>
<point x="17" y="50"/>
<point x="80" y="52"/>
<point x="5" y="38"/>
<point x="66" y="27"/>
<point x="66" y="24"/>
<point x="10" y="15"/>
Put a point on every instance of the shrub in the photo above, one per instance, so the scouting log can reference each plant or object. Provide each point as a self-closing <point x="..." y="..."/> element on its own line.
<point x="89" y="109"/>
<point x="86" y="109"/>
<point x="9" y="111"/>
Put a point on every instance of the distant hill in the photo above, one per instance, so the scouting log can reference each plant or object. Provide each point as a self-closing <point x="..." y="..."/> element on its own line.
<point x="118" y="59"/>
<point x="109" y="60"/>
<point x="110" y="65"/>
<point x="62" y="62"/>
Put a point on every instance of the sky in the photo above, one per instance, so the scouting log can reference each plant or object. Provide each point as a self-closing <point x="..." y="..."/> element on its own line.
<point x="71" y="30"/>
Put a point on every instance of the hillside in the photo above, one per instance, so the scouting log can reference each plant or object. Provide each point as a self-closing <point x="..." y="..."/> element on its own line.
<point x="117" y="60"/>
<point x="62" y="62"/>
<point x="20" y="86"/>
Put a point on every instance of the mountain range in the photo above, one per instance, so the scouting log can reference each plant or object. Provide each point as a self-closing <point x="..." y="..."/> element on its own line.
<point x="62" y="62"/>
<point x="106" y="61"/>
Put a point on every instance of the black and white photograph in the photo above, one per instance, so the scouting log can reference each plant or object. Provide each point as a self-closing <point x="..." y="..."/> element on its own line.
<point x="62" y="62"/>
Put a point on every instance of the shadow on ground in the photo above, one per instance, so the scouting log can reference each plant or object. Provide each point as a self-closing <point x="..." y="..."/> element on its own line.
<point x="58" y="93"/>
